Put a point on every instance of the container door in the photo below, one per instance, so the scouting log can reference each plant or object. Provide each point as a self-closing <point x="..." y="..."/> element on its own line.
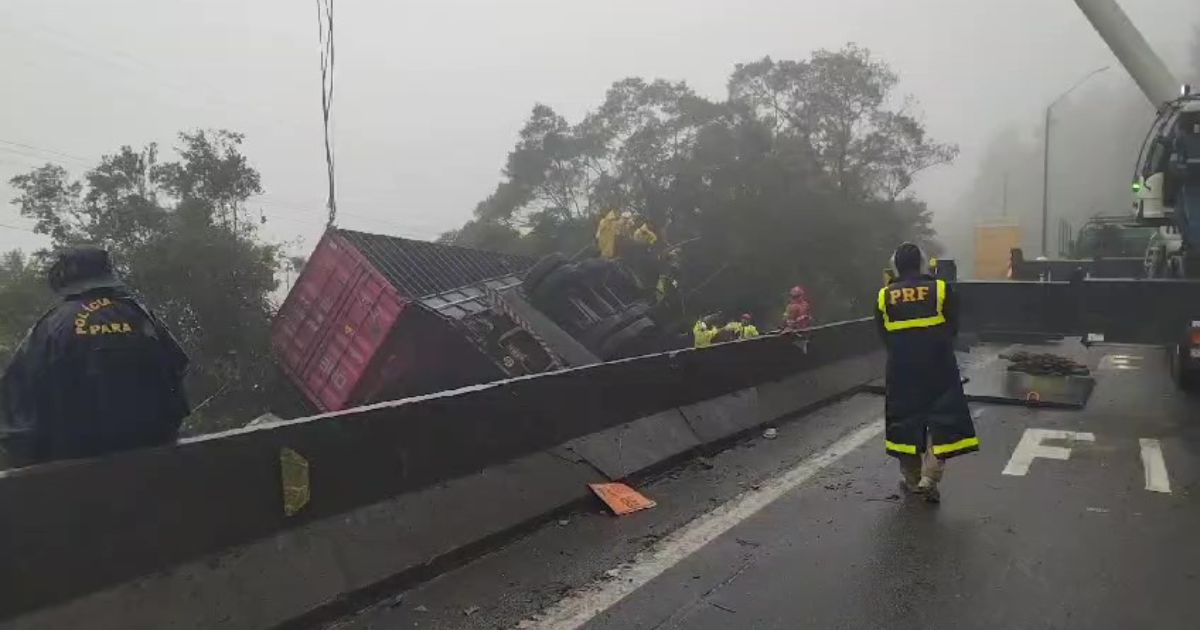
<point x="300" y="326"/>
<point x="355" y="333"/>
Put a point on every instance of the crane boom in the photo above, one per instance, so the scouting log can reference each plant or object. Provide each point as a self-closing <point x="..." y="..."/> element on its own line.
<point x="1132" y="50"/>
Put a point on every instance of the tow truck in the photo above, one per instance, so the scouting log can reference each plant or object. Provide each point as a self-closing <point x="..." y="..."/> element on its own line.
<point x="1164" y="307"/>
<point x="1104" y="247"/>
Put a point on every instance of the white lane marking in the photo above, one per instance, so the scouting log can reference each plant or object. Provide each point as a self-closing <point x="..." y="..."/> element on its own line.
<point x="1155" y="466"/>
<point x="1030" y="447"/>
<point x="580" y="607"/>
<point x="1120" y="362"/>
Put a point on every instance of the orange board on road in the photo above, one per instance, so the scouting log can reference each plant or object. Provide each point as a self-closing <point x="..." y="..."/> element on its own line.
<point x="621" y="498"/>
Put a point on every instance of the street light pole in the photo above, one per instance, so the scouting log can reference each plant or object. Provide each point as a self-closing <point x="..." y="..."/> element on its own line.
<point x="1046" y="153"/>
<point x="1046" y="177"/>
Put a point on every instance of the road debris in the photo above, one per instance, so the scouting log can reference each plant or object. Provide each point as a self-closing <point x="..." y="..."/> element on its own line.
<point x="720" y="607"/>
<point x="1044" y="364"/>
<point x="470" y="611"/>
<point x="620" y="498"/>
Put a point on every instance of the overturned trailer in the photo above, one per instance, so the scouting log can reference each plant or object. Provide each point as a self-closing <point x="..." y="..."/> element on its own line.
<point x="375" y="317"/>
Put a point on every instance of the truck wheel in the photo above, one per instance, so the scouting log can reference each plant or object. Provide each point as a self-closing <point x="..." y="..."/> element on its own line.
<point x="605" y="327"/>
<point x="597" y="266"/>
<point x="552" y="282"/>
<point x="540" y="270"/>
<point x="623" y="343"/>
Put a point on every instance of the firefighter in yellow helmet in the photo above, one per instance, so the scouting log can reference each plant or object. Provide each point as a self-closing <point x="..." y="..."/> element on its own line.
<point x="927" y="419"/>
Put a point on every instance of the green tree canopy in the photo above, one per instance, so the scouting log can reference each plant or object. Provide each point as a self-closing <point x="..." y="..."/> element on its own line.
<point x="801" y="175"/>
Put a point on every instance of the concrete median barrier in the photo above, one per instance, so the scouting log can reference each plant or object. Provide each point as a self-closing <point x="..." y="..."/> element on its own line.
<point x="197" y="536"/>
<point x="272" y="581"/>
<point x="716" y="419"/>
<point x="634" y="446"/>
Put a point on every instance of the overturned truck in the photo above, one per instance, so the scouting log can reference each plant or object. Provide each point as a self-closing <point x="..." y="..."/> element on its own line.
<point x="375" y="317"/>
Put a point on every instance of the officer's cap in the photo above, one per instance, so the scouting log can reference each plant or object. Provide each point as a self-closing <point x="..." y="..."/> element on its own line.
<point x="80" y="269"/>
<point x="907" y="258"/>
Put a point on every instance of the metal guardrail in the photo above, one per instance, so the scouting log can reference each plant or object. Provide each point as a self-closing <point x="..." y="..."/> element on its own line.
<point x="1118" y="310"/>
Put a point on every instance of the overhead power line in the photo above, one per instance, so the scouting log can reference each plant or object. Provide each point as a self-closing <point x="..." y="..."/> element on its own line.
<point x="325" y="37"/>
<point x="31" y="147"/>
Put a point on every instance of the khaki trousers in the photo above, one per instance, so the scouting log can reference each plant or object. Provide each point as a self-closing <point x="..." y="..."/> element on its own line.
<point x="914" y="467"/>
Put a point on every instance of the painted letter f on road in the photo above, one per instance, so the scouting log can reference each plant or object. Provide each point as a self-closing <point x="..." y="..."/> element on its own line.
<point x="1033" y="445"/>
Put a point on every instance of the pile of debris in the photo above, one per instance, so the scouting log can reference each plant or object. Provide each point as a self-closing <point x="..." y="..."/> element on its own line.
<point x="1044" y="364"/>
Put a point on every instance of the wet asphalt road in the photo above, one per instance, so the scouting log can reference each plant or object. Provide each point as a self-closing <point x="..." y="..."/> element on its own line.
<point x="1079" y="543"/>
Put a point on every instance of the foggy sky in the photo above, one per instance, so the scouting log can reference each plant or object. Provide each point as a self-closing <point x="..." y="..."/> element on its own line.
<point x="430" y="95"/>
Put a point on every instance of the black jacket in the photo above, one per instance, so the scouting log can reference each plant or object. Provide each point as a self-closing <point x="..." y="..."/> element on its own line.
<point x="924" y="390"/>
<point x="98" y="373"/>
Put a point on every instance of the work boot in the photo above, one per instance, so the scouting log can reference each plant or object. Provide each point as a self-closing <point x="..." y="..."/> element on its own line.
<point x="928" y="488"/>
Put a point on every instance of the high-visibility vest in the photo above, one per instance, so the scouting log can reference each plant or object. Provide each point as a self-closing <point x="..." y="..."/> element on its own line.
<point x="606" y="235"/>
<point x="909" y="304"/>
<point x="742" y="331"/>
<point x="645" y="235"/>
<point x="703" y="334"/>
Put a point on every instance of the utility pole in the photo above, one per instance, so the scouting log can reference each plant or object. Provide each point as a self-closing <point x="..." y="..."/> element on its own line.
<point x="1004" y="203"/>
<point x="1046" y="176"/>
<point x="1046" y="152"/>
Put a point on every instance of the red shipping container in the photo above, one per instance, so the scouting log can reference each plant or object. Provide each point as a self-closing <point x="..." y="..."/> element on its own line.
<point x="339" y="335"/>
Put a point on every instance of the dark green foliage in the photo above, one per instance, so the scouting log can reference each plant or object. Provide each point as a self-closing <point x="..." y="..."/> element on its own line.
<point x="800" y="176"/>
<point x="24" y="297"/>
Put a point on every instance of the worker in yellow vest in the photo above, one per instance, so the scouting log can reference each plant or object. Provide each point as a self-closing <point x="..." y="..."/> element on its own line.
<point x="606" y="234"/>
<point x="744" y="329"/>
<point x="645" y="235"/>
<point x="705" y="331"/>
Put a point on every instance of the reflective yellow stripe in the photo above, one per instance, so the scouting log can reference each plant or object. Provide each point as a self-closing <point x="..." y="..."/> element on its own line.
<point x="920" y="322"/>
<point x="910" y="449"/>
<point x="964" y="443"/>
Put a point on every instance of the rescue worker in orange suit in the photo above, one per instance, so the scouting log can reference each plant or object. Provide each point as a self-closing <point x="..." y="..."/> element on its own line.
<point x="97" y="374"/>
<point x="796" y="316"/>
<point x="927" y="419"/>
